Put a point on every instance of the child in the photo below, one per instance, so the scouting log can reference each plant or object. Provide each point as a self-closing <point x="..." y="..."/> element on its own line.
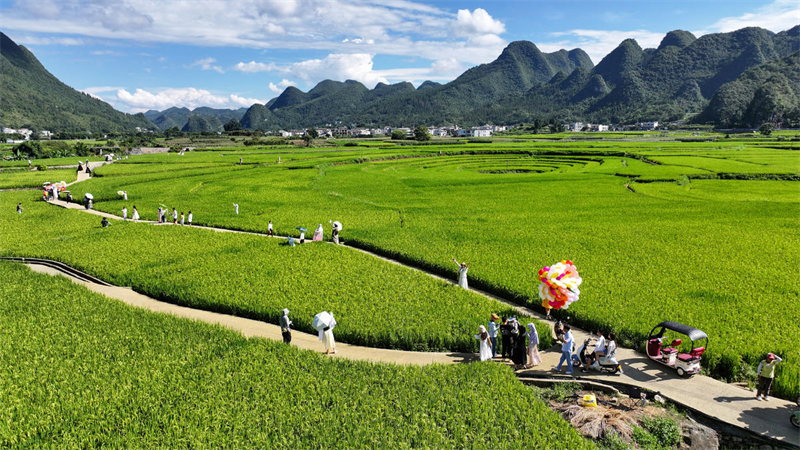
<point x="766" y="374"/>
<point x="190" y="218"/>
<point x="181" y="218"/>
<point x="269" y="228"/>
<point x="124" y="213"/>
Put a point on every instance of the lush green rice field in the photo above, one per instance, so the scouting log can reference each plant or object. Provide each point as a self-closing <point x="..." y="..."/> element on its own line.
<point x="694" y="251"/>
<point x="79" y="370"/>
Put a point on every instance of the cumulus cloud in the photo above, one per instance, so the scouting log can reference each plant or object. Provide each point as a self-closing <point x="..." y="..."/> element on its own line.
<point x="142" y="100"/>
<point x="776" y="16"/>
<point x="38" y="40"/>
<point x="336" y="66"/>
<point x="95" y="90"/>
<point x="207" y="64"/>
<point x="283" y="84"/>
<point x="477" y="22"/>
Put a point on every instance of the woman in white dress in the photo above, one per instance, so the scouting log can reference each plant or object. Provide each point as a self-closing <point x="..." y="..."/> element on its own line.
<point x="462" y="273"/>
<point x="135" y="213"/>
<point x="326" y="336"/>
<point x="486" y="344"/>
<point x="318" y="233"/>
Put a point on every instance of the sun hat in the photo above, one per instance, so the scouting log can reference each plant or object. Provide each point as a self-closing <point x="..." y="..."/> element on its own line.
<point x="286" y="310"/>
<point x="770" y="357"/>
<point x="494" y="317"/>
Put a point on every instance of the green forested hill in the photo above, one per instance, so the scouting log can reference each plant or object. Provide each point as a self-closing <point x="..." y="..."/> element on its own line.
<point x="33" y="98"/>
<point x="179" y="117"/>
<point x="675" y="81"/>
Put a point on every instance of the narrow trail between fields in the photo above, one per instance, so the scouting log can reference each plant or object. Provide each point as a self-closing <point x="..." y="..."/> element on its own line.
<point x="725" y="402"/>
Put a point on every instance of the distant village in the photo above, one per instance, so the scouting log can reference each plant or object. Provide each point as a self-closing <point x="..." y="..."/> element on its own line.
<point x="339" y="131"/>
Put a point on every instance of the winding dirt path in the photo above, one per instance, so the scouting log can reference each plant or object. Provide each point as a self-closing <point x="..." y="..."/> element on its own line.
<point x="725" y="402"/>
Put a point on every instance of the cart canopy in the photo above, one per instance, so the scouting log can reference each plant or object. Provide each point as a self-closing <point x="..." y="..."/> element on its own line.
<point x="693" y="333"/>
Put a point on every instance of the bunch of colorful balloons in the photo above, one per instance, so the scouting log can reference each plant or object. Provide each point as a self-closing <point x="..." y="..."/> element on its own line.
<point x="560" y="283"/>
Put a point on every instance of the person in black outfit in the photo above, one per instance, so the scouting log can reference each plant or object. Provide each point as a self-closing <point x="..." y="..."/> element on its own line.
<point x="505" y="334"/>
<point x="520" y="353"/>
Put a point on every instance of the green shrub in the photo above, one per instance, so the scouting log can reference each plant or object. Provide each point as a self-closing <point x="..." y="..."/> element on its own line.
<point x="41" y="167"/>
<point x="663" y="429"/>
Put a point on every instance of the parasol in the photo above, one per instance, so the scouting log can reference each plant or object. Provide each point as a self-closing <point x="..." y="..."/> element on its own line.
<point x="337" y="225"/>
<point x="89" y="196"/>
<point x="302" y="229"/>
<point x="120" y="192"/>
<point x="46" y="183"/>
<point x="322" y="320"/>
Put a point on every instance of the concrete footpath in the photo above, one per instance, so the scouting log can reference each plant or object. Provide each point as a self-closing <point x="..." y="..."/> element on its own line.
<point x="725" y="402"/>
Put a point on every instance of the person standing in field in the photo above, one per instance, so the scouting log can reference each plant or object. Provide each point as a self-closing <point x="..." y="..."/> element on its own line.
<point x="302" y="237"/>
<point x="124" y="213"/>
<point x="520" y="353"/>
<point x="236" y="206"/>
<point x="181" y="218"/>
<point x="30" y="163"/>
<point x="766" y="375"/>
<point x="327" y="337"/>
<point x="269" y="229"/>
<point x="335" y="235"/>
<point x="534" y="359"/>
<point x="493" y="333"/>
<point x="566" y="350"/>
<point x="462" y="273"/>
<point x="505" y="334"/>
<point x="190" y="218"/>
<point x="174" y="216"/>
<point x="19" y="208"/>
<point x="317" y="234"/>
<point x="159" y="215"/>
<point x="240" y="161"/>
<point x="286" y="325"/>
<point x="485" y="343"/>
<point x="135" y="214"/>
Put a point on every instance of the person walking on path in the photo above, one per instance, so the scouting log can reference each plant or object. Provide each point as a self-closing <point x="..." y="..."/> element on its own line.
<point x="534" y="359"/>
<point x="159" y="215"/>
<point x="326" y="336"/>
<point x="335" y="235"/>
<point x="302" y="237"/>
<point x="182" y="218"/>
<point x="317" y="234"/>
<point x="124" y="213"/>
<point x="286" y="325"/>
<point x="493" y="333"/>
<point x="135" y="216"/>
<point x="269" y="228"/>
<point x="240" y="161"/>
<point x="520" y="353"/>
<point x="462" y="273"/>
<point x="766" y="374"/>
<point x="190" y="218"/>
<point x="19" y="208"/>
<point x="236" y="206"/>
<point x="174" y="216"/>
<point x="566" y="350"/>
<point x="505" y="334"/>
<point x="30" y="163"/>
<point x="485" y="343"/>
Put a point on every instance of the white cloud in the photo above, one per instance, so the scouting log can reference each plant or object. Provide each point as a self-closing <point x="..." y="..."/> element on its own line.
<point x="38" y="40"/>
<point x="94" y="90"/>
<point x="142" y="100"/>
<point x="478" y="22"/>
<point x="449" y="66"/>
<point x="599" y="43"/>
<point x="777" y="16"/>
<point x="283" y="84"/>
<point x="254" y="67"/>
<point x="207" y="64"/>
<point x="107" y="53"/>
<point x="336" y="66"/>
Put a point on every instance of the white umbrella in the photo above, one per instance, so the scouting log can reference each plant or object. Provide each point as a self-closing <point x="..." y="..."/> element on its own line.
<point x="337" y="225"/>
<point x="46" y="183"/>
<point x="89" y="196"/>
<point x="322" y="320"/>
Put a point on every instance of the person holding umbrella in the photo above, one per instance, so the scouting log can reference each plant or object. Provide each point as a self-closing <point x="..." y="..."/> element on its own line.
<point x="462" y="273"/>
<point x="302" y="234"/>
<point x="324" y="323"/>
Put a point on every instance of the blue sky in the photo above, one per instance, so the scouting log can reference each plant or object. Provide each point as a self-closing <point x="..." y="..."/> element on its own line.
<point x="153" y="54"/>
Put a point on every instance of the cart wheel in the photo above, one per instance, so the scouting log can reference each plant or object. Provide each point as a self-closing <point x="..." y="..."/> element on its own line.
<point x="681" y="372"/>
<point x="795" y="419"/>
<point x="616" y="370"/>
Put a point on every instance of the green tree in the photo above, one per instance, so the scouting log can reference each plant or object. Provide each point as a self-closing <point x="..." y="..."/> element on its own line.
<point x="232" y="125"/>
<point x="421" y="133"/>
<point x="398" y="135"/>
<point x="312" y="132"/>
<point x="766" y="129"/>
